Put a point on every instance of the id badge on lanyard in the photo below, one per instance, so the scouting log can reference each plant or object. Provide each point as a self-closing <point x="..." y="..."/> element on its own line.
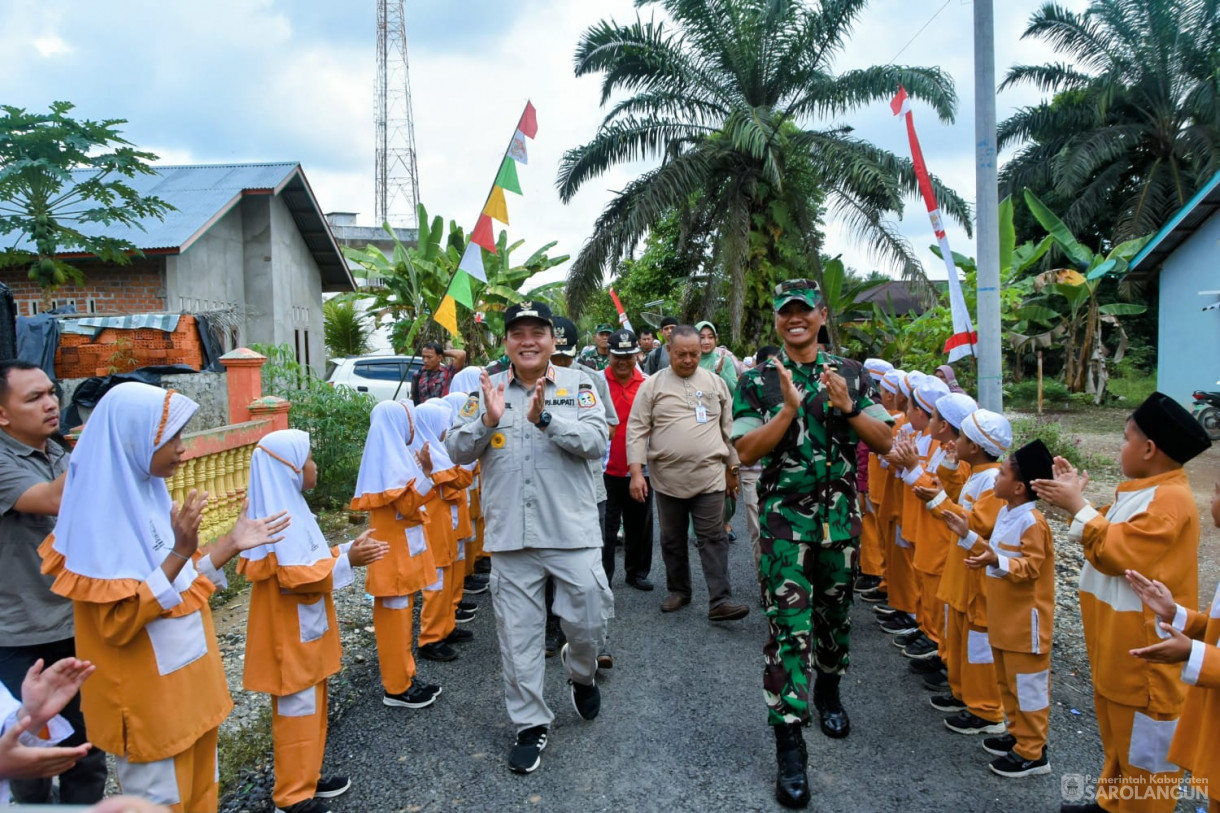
<point x="700" y="409"/>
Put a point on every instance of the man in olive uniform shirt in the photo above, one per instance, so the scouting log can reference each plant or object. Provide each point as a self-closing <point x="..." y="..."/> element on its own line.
<point x="802" y="416"/>
<point x="598" y="357"/>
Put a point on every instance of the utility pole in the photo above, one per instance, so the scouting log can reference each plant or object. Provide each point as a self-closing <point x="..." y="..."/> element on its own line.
<point x="394" y="165"/>
<point x="987" y="208"/>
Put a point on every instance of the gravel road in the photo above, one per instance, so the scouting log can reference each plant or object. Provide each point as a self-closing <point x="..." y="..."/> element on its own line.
<point x="683" y="723"/>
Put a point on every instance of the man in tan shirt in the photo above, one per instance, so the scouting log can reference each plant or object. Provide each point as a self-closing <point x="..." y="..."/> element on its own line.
<point x="680" y="426"/>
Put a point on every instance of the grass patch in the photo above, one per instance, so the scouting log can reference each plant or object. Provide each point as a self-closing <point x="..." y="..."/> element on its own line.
<point x="1059" y="439"/>
<point x="241" y="749"/>
<point x="1132" y="390"/>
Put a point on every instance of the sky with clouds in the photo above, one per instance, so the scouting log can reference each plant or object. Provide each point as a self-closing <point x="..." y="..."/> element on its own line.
<point x="275" y="80"/>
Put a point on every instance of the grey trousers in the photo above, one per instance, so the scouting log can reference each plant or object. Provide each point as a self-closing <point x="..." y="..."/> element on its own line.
<point x="706" y="513"/>
<point x="583" y="602"/>
<point x="748" y="479"/>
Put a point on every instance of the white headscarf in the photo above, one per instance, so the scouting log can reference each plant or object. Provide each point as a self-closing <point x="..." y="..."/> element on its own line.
<point x="114" y="519"/>
<point x="277" y="475"/>
<point x="389" y="461"/>
<point x="432" y="419"/>
<point x="467" y="380"/>
<point x="455" y="401"/>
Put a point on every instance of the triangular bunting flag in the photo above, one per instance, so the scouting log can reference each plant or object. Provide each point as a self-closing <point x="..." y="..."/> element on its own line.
<point x="472" y="262"/>
<point x="482" y="234"/>
<point x="517" y="150"/>
<point x="529" y="121"/>
<point x="459" y="289"/>
<point x="446" y="315"/>
<point x="506" y="179"/>
<point x="496" y="206"/>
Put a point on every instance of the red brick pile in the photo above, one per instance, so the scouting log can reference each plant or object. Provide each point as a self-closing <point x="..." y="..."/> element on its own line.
<point x="121" y="351"/>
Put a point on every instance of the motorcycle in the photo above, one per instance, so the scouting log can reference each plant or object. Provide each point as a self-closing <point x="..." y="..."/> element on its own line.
<point x="1206" y="411"/>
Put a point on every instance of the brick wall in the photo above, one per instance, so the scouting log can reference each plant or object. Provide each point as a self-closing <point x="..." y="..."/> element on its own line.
<point x="125" y="350"/>
<point x="108" y="289"/>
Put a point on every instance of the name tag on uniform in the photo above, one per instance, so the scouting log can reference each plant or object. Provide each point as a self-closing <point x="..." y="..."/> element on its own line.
<point x="700" y="414"/>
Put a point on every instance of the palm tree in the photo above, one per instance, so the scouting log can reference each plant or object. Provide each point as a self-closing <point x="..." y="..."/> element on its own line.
<point x="1134" y="125"/>
<point x="725" y="97"/>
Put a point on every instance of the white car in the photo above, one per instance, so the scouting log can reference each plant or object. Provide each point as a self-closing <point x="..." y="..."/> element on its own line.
<point x="383" y="377"/>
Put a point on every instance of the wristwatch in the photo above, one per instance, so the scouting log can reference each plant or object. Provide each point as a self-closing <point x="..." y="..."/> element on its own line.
<point x="733" y="470"/>
<point x="855" y="410"/>
<point x="544" y="420"/>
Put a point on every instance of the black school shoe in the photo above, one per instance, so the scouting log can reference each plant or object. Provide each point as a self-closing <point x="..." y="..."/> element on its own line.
<point x="307" y="806"/>
<point x="438" y="651"/>
<point x="937" y="682"/>
<point x="526" y="754"/>
<point x="1001" y="745"/>
<point x="921" y="649"/>
<point x="875" y="597"/>
<point x="331" y="786"/>
<point x="898" y="624"/>
<point x="907" y="638"/>
<point x="464" y="616"/>
<point x="418" y="696"/>
<point x="586" y="699"/>
<point x="1014" y="766"/>
<point x="865" y="583"/>
<point x="927" y="666"/>
<point x="947" y="703"/>
<point x="967" y="723"/>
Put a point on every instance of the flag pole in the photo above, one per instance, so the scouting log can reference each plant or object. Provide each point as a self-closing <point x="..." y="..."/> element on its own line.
<point x="987" y="202"/>
<point x="490" y="190"/>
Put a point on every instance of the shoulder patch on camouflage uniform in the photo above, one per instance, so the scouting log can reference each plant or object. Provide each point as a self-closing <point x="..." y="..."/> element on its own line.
<point x="471" y="407"/>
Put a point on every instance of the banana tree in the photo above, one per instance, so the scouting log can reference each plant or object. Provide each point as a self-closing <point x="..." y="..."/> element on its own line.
<point x="842" y="292"/>
<point x="1080" y="328"/>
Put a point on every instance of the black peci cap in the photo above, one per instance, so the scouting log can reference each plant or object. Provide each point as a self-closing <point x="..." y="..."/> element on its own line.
<point x="623" y="343"/>
<point x="1034" y="461"/>
<point x="566" y="336"/>
<point x="1174" y="430"/>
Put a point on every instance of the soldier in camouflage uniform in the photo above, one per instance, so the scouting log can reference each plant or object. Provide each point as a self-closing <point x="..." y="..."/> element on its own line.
<point x="598" y="357"/>
<point x="802" y="415"/>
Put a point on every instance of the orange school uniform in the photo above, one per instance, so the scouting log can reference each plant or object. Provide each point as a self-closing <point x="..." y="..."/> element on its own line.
<point x="1020" y="591"/>
<point x="928" y="544"/>
<point x="1151" y="527"/>
<point x="1196" y="743"/>
<point x="900" y="568"/>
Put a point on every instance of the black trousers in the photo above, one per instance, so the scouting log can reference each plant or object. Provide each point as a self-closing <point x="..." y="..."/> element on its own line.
<point x="83" y="783"/>
<point x="636" y="519"/>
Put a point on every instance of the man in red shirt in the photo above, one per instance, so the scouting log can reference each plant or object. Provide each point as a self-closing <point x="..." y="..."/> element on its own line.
<point x="623" y="377"/>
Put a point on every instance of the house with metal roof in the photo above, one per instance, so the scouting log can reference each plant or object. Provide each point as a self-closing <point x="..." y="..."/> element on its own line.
<point x="249" y="239"/>
<point x="1183" y="262"/>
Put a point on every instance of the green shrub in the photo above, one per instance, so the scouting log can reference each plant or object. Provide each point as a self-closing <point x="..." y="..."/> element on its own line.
<point x="1059" y="441"/>
<point x="1132" y="388"/>
<point x="1025" y="393"/>
<point x="336" y="418"/>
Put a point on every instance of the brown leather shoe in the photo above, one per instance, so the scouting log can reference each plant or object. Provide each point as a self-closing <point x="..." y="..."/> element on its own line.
<point x="673" y="602"/>
<point x="727" y="611"/>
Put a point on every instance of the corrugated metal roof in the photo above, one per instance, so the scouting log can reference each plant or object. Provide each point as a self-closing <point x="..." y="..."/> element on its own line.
<point x="202" y="193"/>
<point x="1182" y="225"/>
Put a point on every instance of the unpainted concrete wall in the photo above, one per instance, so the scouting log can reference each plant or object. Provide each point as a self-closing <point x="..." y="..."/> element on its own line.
<point x="209" y="390"/>
<point x="1189" y="337"/>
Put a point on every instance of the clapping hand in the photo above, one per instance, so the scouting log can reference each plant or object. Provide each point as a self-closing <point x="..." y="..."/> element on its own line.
<point x="537" y="401"/>
<point x="1066" y="490"/>
<point x="836" y="390"/>
<point x="366" y="550"/>
<point x="251" y="533"/>
<point x="424" y="458"/>
<point x="987" y="557"/>
<point x="185" y="519"/>
<point x="19" y="761"/>
<point x="957" y="523"/>
<point x="793" y="398"/>
<point x="1156" y="596"/>
<point x="1174" y="649"/>
<point x="493" y="400"/>
<point x="44" y="692"/>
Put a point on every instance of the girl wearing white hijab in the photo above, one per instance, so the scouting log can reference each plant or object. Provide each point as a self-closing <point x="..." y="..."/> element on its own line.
<point x="468" y="382"/>
<point x="128" y="558"/>
<point x="394" y="486"/>
<point x="292" y="634"/>
<point x="437" y="620"/>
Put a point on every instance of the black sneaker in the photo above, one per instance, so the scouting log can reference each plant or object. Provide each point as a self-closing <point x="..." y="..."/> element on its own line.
<point x="876" y="597"/>
<point x="417" y="697"/>
<point x="927" y="666"/>
<point x="469" y="606"/>
<point x="1014" y="766"/>
<point x="307" y="806"/>
<point x="907" y="638"/>
<point x="864" y="583"/>
<point x="898" y="623"/>
<point x="459" y="636"/>
<point x="438" y="651"/>
<point x="464" y="616"/>
<point x="947" y="703"/>
<point x="587" y="700"/>
<point x="526" y="755"/>
<point x="923" y="648"/>
<point x="331" y="786"/>
<point x="937" y="681"/>
<point x="967" y="723"/>
<point x="482" y="566"/>
<point x="474" y="585"/>
<point x="1000" y="746"/>
<point x="884" y="610"/>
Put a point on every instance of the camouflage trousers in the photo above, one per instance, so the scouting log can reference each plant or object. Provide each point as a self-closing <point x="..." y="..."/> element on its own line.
<point x="807" y="596"/>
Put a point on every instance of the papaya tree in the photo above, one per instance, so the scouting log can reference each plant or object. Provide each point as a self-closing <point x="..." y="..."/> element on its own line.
<point x="46" y="210"/>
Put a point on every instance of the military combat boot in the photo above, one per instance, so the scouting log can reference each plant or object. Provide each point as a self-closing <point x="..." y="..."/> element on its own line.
<point x="830" y="709"/>
<point x="791" y="781"/>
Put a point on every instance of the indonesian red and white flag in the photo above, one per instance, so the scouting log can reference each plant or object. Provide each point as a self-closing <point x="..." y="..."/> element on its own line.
<point x="964" y="338"/>
<point x="622" y="313"/>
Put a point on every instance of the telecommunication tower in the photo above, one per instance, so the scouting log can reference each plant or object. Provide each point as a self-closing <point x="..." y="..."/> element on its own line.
<point x="395" y="166"/>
